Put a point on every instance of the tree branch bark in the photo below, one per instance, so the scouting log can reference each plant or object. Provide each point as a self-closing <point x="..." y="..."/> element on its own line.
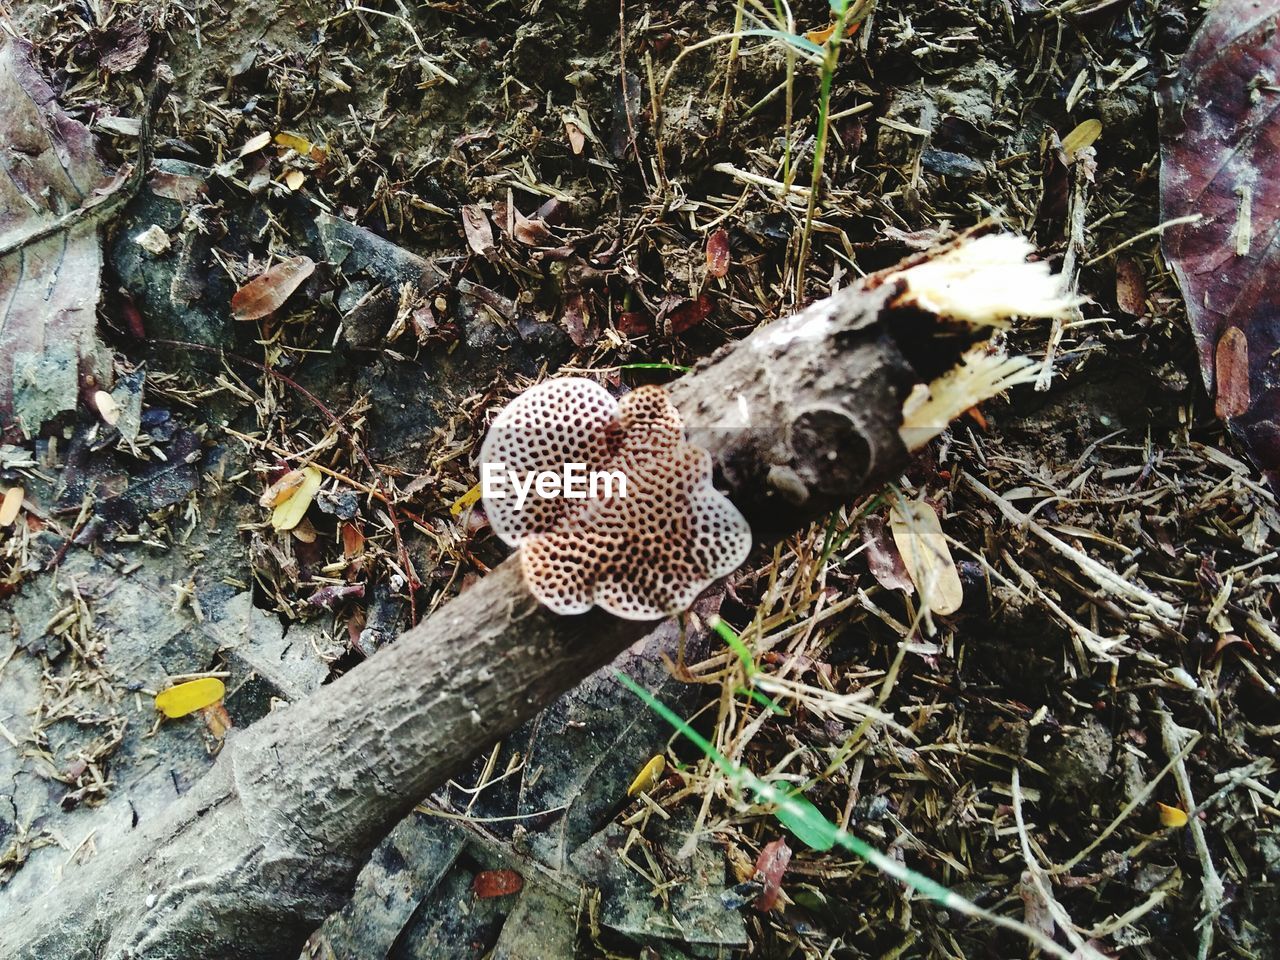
<point x="800" y="417"/>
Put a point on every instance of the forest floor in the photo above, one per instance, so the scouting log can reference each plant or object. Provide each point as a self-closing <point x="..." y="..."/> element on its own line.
<point x="620" y="203"/>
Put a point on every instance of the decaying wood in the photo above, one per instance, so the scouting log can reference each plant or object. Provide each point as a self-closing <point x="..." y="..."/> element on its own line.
<point x="799" y="417"/>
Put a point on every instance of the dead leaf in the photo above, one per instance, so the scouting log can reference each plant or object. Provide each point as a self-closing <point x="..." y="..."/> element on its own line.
<point x="294" y="180"/>
<point x="475" y="224"/>
<point x="217" y="720"/>
<point x="49" y="287"/>
<point x="577" y="321"/>
<point x="496" y="883"/>
<point x="633" y="323"/>
<point x="107" y="407"/>
<point x="288" y="512"/>
<point x="919" y="538"/>
<point x="648" y="775"/>
<point x="822" y="35"/>
<point x="353" y="537"/>
<point x="1171" y="816"/>
<point x="185" y="698"/>
<point x="256" y="143"/>
<point x="883" y="558"/>
<point x="1231" y="371"/>
<point x="680" y="316"/>
<point x="124" y="44"/>
<point x="11" y="505"/>
<point x="1131" y="287"/>
<point x="1218" y="161"/>
<point x="295" y="142"/>
<point x="532" y="233"/>
<point x="1084" y="135"/>
<point x="718" y="254"/>
<point x="267" y="292"/>
<point x="770" y="867"/>
<point x="577" y="139"/>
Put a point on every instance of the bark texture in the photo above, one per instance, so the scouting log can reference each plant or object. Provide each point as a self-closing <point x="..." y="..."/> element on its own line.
<point x="799" y="417"/>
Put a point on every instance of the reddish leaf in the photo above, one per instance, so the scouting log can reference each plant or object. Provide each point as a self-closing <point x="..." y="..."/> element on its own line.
<point x="1221" y="159"/>
<point x="770" y="866"/>
<point x="49" y="286"/>
<point x="718" y="254"/>
<point x="883" y="558"/>
<point x="577" y="321"/>
<point x="687" y="314"/>
<point x="532" y="233"/>
<point x="633" y="323"/>
<point x="496" y="883"/>
<point x="1231" y="370"/>
<point x="1131" y="287"/>
<point x="267" y="292"/>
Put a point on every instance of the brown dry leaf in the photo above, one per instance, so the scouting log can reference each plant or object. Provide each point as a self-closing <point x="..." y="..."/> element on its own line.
<point x="680" y="316"/>
<point x="353" y="538"/>
<point x="1131" y="287"/>
<point x="305" y="531"/>
<point x="883" y="558"/>
<point x="294" y="180"/>
<point x="771" y="865"/>
<point x="577" y="139"/>
<point x="11" y="505"/>
<point x="49" y="287"/>
<point x="1232" y="364"/>
<point x="1219" y="163"/>
<point x="475" y="224"/>
<point x="280" y="491"/>
<point x="718" y="254"/>
<point x="532" y="233"/>
<point x="919" y="538"/>
<point x="217" y="720"/>
<point x="267" y="292"/>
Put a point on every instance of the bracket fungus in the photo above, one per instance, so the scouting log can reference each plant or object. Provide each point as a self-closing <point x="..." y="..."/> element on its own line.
<point x="642" y="548"/>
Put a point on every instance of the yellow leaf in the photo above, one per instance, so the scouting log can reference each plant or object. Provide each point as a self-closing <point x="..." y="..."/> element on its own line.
<point x="1082" y="136"/>
<point x="1172" y="816"/>
<point x="919" y="538"/>
<point x="10" y="505"/>
<point x="293" y="141"/>
<point x="190" y="696"/>
<point x="289" y="513"/>
<point x="648" y="775"/>
<point x="294" y="180"/>
<point x="466" y="500"/>
<point x="820" y="36"/>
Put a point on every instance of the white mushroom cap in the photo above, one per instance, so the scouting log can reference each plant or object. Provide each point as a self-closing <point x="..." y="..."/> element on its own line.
<point x="641" y="557"/>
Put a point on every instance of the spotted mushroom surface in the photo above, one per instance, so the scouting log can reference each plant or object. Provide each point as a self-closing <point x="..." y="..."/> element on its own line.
<point x="642" y="556"/>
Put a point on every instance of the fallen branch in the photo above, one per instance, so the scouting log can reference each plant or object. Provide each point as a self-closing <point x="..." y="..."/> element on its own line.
<point x="802" y="416"/>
